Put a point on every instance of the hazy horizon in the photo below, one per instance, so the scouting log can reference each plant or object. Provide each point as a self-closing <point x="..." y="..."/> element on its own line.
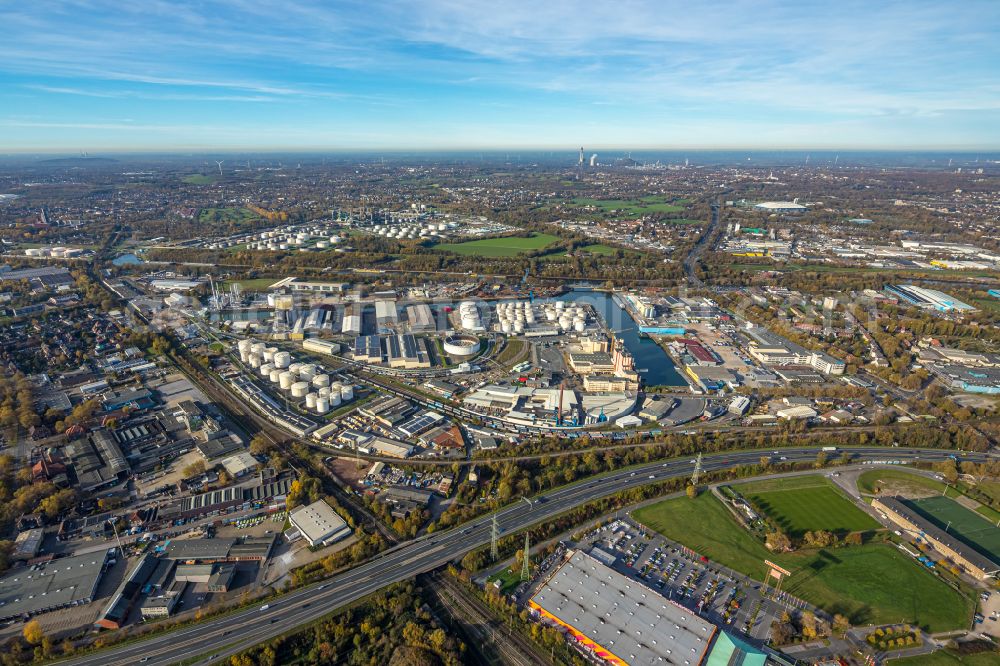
<point x="446" y="75"/>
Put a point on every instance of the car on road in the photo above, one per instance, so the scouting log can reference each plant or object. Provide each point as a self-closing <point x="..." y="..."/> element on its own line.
<point x="265" y="607"/>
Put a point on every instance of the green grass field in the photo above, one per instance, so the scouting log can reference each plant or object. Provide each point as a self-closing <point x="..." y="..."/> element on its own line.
<point x="600" y="249"/>
<point x="199" y="179"/>
<point x="896" y="481"/>
<point x="873" y="583"/>
<point x="803" y="503"/>
<point x="499" y="247"/>
<point x="206" y="215"/>
<point x="509" y="580"/>
<point x="950" y="658"/>
<point x="967" y="525"/>
<point x="251" y="284"/>
<point x="643" y="206"/>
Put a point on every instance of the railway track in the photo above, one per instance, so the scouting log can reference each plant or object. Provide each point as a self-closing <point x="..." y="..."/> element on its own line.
<point x="483" y="629"/>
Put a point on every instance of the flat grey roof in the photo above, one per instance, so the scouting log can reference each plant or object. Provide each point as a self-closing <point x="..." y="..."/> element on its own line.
<point x="623" y="616"/>
<point x="53" y="585"/>
<point x="317" y="521"/>
<point x="199" y="549"/>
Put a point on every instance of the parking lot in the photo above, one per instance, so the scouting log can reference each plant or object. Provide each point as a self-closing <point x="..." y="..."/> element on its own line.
<point x="725" y="597"/>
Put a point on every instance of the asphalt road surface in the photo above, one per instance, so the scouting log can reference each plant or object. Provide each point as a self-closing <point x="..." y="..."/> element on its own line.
<point x="215" y="639"/>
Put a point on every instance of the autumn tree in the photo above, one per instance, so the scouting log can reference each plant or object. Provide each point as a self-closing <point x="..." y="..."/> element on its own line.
<point x="33" y="632"/>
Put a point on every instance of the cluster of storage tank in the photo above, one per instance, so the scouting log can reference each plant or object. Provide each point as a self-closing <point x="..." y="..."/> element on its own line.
<point x="222" y="244"/>
<point x="468" y="313"/>
<point x="412" y="230"/>
<point x="294" y="237"/>
<point x="301" y="380"/>
<point x="53" y="252"/>
<point x="516" y="316"/>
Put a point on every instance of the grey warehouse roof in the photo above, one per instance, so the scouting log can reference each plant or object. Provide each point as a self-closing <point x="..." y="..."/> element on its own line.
<point x="628" y="619"/>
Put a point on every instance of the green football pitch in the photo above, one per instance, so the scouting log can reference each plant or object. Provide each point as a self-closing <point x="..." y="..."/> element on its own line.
<point x="967" y="525"/>
<point x="805" y="503"/>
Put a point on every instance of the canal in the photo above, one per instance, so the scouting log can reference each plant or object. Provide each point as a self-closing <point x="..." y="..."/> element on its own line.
<point x="655" y="366"/>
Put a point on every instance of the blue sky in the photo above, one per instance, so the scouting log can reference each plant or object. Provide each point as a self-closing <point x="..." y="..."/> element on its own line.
<point x="442" y="74"/>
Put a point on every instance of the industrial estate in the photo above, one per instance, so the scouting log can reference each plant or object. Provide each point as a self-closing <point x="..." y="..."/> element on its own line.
<point x="568" y="410"/>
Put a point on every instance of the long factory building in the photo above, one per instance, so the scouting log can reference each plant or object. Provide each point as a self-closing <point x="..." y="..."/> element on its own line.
<point x="620" y="621"/>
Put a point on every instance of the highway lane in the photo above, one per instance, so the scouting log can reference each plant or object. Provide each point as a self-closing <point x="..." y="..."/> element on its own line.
<point x="249" y="627"/>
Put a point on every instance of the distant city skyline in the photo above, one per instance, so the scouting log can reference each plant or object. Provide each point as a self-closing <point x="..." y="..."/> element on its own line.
<point x="447" y="75"/>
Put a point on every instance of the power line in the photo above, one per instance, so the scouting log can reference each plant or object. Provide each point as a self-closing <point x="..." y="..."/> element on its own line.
<point x="495" y="539"/>
<point x="525" y="567"/>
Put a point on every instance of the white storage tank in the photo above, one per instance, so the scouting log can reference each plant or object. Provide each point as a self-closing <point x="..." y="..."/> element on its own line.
<point x="275" y="376"/>
<point x="286" y="379"/>
<point x="299" y="389"/>
<point x="347" y="392"/>
<point x="334" y="399"/>
<point x="579" y="326"/>
<point x="307" y="372"/>
<point x="320" y="381"/>
<point x="265" y="369"/>
<point x="295" y="367"/>
<point x="322" y="405"/>
<point x="324" y="392"/>
<point x="311" y="400"/>
<point x="244" y="347"/>
<point x="255" y="360"/>
<point x="282" y="360"/>
<point x="258" y="348"/>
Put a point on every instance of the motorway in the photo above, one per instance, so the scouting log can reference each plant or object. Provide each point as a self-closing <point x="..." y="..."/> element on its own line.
<point x="215" y="639"/>
<point x="691" y="260"/>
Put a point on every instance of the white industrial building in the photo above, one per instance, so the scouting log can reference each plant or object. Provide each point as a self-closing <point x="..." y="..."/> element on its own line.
<point x="781" y="207"/>
<point x="239" y="464"/>
<point x="385" y="313"/>
<point x="352" y="325"/>
<point x="321" y="346"/>
<point x="419" y="317"/>
<point x="319" y="524"/>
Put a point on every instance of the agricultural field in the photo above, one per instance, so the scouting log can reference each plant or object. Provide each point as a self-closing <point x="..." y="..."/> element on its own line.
<point x="510" y="246"/>
<point x="805" y="503"/>
<point x="967" y="525"/>
<point x="873" y="583"/>
<point x="643" y="206"/>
